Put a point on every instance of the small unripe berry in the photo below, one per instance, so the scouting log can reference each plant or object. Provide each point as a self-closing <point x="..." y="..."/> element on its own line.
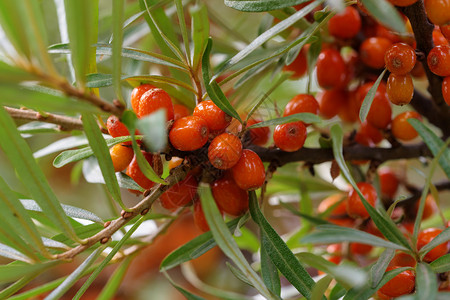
<point x="290" y="137"/>
<point x="224" y="151"/>
<point x="189" y="133"/>
<point x="249" y="172"/>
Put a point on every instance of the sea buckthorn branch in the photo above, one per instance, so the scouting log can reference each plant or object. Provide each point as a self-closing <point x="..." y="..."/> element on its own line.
<point x="141" y="208"/>
<point x="353" y="152"/>
<point x="417" y="193"/>
<point x="65" y="123"/>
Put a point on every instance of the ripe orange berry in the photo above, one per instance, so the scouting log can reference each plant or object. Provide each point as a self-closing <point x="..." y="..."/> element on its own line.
<point x="301" y="103"/>
<point x="199" y="217"/>
<point x="355" y="207"/>
<point x="426" y="236"/>
<point x="153" y="100"/>
<point x="437" y="11"/>
<point x="403" y="2"/>
<point x="367" y="135"/>
<point x="360" y="249"/>
<point x="331" y="102"/>
<point x="115" y="127"/>
<point x="439" y="60"/>
<point x="229" y="197"/>
<point x="121" y="156"/>
<point x="290" y="137"/>
<point x="385" y="32"/>
<point x="349" y="112"/>
<point x="136" y="95"/>
<point x="388" y="182"/>
<point x="401" y="128"/>
<point x="400" y="58"/>
<point x="345" y="24"/>
<point x="380" y="111"/>
<point x="216" y="118"/>
<point x="401" y="284"/>
<point x="224" y="151"/>
<point x="402" y="259"/>
<point x="438" y="37"/>
<point x="429" y="209"/>
<point x="445" y="30"/>
<point x="372" y="51"/>
<point x="298" y="66"/>
<point x="330" y="59"/>
<point x="400" y="89"/>
<point x="258" y="136"/>
<point x="249" y="173"/>
<point x="189" y="133"/>
<point x="331" y="201"/>
<point x="180" y="111"/>
<point x="446" y="89"/>
<point x="180" y="194"/>
<point x="136" y="174"/>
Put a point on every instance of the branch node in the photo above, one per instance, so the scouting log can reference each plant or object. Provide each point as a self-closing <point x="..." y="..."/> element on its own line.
<point x="106" y="224"/>
<point x="104" y="240"/>
<point x="126" y="214"/>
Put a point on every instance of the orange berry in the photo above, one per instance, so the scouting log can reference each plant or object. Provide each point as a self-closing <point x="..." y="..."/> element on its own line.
<point x="445" y="30"/>
<point x="189" y="133"/>
<point x="439" y="60"/>
<point x="249" y="173"/>
<point x="402" y="259"/>
<point x="349" y="112"/>
<point x="298" y="66"/>
<point x="437" y="11"/>
<point x="401" y="128"/>
<point x="301" y="103"/>
<point x="385" y="32"/>
<point x="355" y="207"/>
<point x="199" y="217"/>
<point x="400" y="58"/>
<point x="401" y="284"/>
<point x="230" y="198"/>
<point x="180" y="111"/>
<point x="258" y="136"/>
<point x="330" y="59"/>
<point x="180" y="194"/>
<point x="380" y="111"/>
<point x="290" y="137"/>
<point x="388" y="182"/>
<point x="446" y="89"/>
<point x="427" y="236"/>
<point x="400" y="89"/>
<point x="418" y="71"/>
<point x="153" y="100"/>
<point x="360" y="249"/>
<point x="136" y="95"/>
<point x="121" y="156"/>
<point x="331" y="102"/>
<point x="403" y="2"/>
<point x="438" y="37"/>
<point x="115" y="127"/>
<point x="429" y="209"/>
<point x="224" y="151"/>
<point x="216" y="118"/>
<point x="338" y="210"/>
<point x="136" y="174"/>
<point x="367" y="135"/>
<point x="372" y="51"/>
<point x="346" y="24"/>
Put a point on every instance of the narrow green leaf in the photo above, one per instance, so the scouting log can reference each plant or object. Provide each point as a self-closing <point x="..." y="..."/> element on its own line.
<point x="62" y="144"/>
<point x="328" y="234"/>
<point x="441" y="238"/>
<point x="380" y="218"/>
<point x="115" y="280"/>
<point x="442" y="264"/>
<point x="108" y="258"/>
<point x="200" y="32"/>
<point x="269" y="270"/>
<point x="214" y="91"/>
<point x="69" y="210"/>
<point x="385" y="13"/>
<point x="126" y="182"/>
<point x="136" y="54"/>
<point x="367" y="103"/>
<point x="118" y="7"/>
<point x="304" y="117"/>
<point x="70" y="156"/>
<point x="426" y="282"/>
<point x="154" y="128"/>
<point x="238" y="274"/>
<point x="12" y="74"/>
<point x="182" y="24"/>
<point x="226" y="242"/>
<point x="18" y="269"/>
<point x="184" y="292"/>
<point x="434" y="143"/>
<point x="13" y="288"/>
<point x="75" y="276"/>
<point x="321" y="287"/>
<point x="101" y="152"/>
<point x="279" y="252"/>
<point x="193" y="248"/>
<point x="161" y="79"/>
<point x="19" y="153"/>
<point x="261" y="5"/>
<point x="379" y="268"/>
<point x="81" y="25"/>
<point x="12" y="18"/>
<point x="42" y="100"/>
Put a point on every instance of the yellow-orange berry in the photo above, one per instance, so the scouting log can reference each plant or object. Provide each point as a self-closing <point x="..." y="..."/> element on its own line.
<point x="401" y="128"/>
<point x="400" y="89"/>
<point x="372" y="51"/>
<point x="216" y="118"/>
<point x="121" y="156"/>
<point x="438" y="11"/>
<point x="400" y="58"/>
<point x="189" y="133"/>
<point x="439" y="60"/>
<point x="153" y="100"/>
<point x="224" y="151"/>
